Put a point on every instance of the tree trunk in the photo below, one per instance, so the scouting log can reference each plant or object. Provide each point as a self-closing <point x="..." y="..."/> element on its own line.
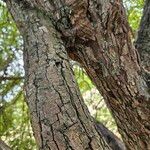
<point x="96" y="34"/>
<point x="60" y="119"/>
<point x="112" y="63"/>
<point x="143" y="43"/>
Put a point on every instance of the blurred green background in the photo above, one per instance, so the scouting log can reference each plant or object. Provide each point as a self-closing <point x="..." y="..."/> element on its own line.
<point x="15" y="128"/>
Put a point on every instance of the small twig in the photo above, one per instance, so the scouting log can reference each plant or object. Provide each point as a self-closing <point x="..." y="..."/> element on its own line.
<point x="11" y="78"/>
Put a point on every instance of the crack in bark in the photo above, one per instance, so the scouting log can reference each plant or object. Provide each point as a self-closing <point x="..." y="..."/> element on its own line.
<point x="111" y="30"/>
<point x="53" y="136"/>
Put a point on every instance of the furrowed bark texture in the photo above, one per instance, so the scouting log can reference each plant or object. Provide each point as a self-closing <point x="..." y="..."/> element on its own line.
<point x="143" y="42"/>
<point x="97" y="35"/>
<point x="60" y="119"/>
<point x="112" y="63"/>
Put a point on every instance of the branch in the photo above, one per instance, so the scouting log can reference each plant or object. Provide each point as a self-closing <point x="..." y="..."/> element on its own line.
<point x="11" y="78"/>
<point x="143" y="42"/>
<point x="4" y="146"/>
<point x="112" y="140"/>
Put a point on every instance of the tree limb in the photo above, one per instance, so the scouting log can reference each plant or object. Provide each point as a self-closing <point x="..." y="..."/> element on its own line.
<point x="11" y="78"/>
<point x="113" y="141"/>
<point x="143" y="42"/>
<point x="4" y="146"/>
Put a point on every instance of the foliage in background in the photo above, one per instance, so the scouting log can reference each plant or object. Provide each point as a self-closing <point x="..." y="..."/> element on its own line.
<point x="15" y="127"/>
<point x="134" y="10"/>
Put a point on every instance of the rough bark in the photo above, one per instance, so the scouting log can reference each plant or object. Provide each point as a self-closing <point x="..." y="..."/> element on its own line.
<point x="97" y="35"/>
<point x="112" y="63"/>
<point x="143" y="42"/>
<point x="60" y="119"/>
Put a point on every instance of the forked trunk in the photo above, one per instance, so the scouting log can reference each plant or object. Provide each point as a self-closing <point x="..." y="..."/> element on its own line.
<point x="60" y="120"/>
<point x="97" y="35"/>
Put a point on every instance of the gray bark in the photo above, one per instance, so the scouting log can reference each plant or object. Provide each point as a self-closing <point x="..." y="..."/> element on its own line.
<point x="99" y="38"/>
<point x="96" y="34"/>
<point x="143" y="42"/>
<point x="60" y="120"/>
